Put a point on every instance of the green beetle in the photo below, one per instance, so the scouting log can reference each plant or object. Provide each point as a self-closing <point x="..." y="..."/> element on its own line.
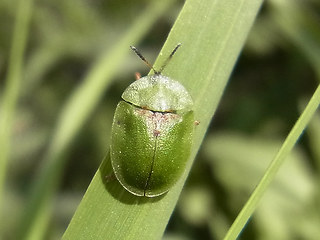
<point x="152" y="133"/>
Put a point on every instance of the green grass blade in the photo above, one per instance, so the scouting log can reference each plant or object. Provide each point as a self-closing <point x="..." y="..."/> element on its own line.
<point x="273" y="168"/>
<point x="212" y="34"/>
<point x="13" y="80"/>
<point x="74" y="114"/>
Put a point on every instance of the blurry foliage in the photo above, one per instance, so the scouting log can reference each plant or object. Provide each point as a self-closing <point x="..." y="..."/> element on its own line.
<point x="260" y="105"/>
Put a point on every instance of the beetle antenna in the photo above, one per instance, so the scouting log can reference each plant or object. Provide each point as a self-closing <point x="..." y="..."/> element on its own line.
<point x="169" y="58"/>
<point x="143" y="59"/>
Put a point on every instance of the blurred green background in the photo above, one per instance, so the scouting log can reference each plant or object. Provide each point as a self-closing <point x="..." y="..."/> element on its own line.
<point x="276" y="74"/>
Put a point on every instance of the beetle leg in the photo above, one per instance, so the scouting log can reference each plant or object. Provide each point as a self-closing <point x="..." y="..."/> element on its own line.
<point x="138" y="75"/>
<point x="111" y="177"/>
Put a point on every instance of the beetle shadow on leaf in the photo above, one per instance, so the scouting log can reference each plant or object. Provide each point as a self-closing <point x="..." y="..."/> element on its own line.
<point x="116" y="190"/>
